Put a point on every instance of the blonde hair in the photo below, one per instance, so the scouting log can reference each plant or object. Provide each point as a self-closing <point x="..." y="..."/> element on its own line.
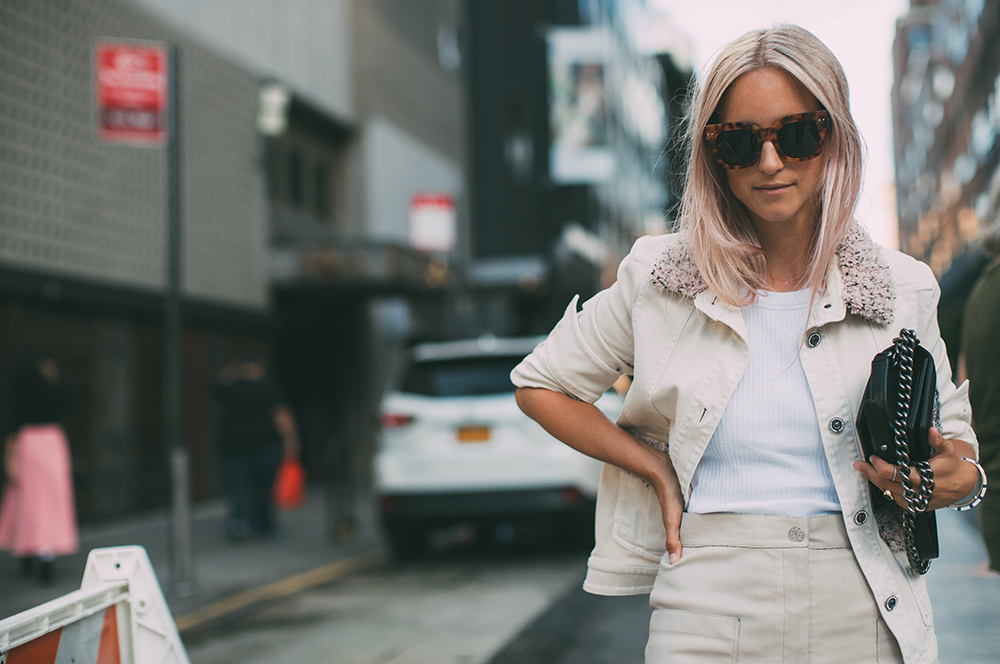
<point x="722" y="238"/>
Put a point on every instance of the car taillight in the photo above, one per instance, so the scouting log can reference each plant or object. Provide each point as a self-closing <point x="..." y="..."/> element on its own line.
<point x="394" y="420"/>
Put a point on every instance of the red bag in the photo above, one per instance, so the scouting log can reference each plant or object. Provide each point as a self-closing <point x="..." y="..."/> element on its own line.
<point x="290" y="485"/>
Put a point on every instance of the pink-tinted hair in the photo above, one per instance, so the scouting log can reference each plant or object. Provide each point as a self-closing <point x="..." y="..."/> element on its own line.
<point x="723" y="241"/>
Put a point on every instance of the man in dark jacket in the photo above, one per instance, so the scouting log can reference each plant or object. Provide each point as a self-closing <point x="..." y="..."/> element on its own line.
<point x="256" y="430"/>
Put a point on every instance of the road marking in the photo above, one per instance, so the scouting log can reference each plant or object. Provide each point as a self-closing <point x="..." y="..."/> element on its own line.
<point x="282" y="588"/>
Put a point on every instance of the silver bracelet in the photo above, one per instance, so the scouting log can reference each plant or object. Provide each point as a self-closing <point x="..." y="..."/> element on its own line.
<point x="977" y="494"/>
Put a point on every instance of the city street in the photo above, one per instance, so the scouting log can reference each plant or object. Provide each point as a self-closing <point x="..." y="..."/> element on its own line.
<point x="296" y="295"/>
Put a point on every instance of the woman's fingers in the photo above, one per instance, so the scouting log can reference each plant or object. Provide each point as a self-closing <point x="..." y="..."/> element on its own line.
<point x="880" y="473"/>
<point x="672" y="507"/>
<point x="885" y="470"/>
<point x="672" y="522"/>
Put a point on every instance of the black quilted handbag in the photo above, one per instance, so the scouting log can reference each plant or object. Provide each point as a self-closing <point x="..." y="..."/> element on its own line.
<point x="898" y="409"/>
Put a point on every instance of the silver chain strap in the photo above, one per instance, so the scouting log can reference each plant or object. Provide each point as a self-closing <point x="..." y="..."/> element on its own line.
<point x="916" y="501"/>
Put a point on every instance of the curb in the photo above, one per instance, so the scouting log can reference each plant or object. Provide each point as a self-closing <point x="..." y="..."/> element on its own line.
<point x="283" y="588"/>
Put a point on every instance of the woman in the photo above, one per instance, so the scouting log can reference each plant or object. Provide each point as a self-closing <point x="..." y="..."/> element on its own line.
<point x="749" y="335"/>
<point x="37" y="515"/>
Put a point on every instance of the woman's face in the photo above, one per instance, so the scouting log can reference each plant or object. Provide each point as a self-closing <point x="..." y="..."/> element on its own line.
<point x="774" y="191"/>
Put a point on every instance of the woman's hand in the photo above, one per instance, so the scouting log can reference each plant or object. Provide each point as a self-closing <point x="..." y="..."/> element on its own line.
<point x="954" y="479"/>
<point x="668" y="491"/>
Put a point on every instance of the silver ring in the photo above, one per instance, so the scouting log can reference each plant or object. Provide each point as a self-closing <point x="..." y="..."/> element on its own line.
<point x="895" y="469"/>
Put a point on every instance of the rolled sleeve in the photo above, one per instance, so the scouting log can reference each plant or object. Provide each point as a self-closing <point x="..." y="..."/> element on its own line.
<point x="587" y="350"/>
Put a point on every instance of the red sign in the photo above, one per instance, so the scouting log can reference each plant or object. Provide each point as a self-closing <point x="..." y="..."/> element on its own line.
<point x="433" y="222"/>
<point x="131" y="92"/>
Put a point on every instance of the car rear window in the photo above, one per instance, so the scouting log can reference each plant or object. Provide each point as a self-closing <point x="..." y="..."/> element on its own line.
<point x="467" y="376"/>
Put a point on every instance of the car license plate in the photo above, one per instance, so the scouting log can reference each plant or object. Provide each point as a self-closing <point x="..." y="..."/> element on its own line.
<point x="473" y="434"/>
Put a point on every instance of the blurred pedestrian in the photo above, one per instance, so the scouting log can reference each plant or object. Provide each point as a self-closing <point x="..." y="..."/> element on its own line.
<point x="980" y="362"/>
<point x="257" y="429"/>
<point x="38" y="516"/>
<point x="750" y="334"/>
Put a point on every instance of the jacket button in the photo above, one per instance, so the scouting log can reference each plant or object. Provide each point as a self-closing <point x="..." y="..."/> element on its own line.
<point x="814" y="339"/>
<point x="861" y="517"/>
<point x="890" y="603"/>
<point x="836" y="425"/>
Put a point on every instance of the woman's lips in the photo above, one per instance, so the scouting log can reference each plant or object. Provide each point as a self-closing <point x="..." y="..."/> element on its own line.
<point x="773" y="189"/>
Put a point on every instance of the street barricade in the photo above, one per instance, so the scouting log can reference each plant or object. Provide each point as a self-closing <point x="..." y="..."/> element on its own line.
<point x="118" y="616"/>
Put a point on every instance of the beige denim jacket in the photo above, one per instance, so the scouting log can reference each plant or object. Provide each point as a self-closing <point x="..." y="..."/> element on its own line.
<point x="687" y="350"/>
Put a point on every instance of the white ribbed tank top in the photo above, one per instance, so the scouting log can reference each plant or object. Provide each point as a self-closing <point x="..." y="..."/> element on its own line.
<point x="766" y="456"/>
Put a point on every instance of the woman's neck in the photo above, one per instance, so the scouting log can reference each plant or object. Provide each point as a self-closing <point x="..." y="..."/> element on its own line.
<point x="787" y="252"/>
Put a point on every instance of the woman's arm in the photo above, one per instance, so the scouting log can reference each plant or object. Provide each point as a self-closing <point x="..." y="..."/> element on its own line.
<point x="584" y="427"/>
<point x="284" y="420"/>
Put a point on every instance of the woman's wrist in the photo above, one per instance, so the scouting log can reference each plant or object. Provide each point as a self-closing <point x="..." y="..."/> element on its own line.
<point x="975" y="496"/>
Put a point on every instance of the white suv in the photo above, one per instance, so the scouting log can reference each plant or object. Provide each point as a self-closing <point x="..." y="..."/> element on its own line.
<point x="455" y="448"/>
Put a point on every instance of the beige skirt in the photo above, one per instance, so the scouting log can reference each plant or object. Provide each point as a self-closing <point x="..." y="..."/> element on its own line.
<point x="754" y="588"/>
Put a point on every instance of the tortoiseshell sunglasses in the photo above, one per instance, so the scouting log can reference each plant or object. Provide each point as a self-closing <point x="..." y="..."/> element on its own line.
<point x="796" y="137"/>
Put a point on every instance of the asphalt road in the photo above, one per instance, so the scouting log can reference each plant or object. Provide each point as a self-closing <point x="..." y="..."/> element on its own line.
<point x="459" y="607"/>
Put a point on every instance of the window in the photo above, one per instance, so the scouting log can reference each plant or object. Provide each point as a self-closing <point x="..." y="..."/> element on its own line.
<point x="467" y="376"/>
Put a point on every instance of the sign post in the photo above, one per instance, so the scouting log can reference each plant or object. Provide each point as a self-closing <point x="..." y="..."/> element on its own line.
<point x="137" y="104"/>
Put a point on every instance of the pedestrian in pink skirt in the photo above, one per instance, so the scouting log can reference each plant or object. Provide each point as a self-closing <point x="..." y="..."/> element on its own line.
<point x="37" y="514"/>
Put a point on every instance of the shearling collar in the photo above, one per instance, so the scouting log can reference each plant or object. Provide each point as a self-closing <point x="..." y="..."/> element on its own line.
<point x="867" y="287"/>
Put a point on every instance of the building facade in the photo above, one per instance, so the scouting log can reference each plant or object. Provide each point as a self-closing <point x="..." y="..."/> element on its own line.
<point x="82" y="243"/>
<point x="306" y="127"/>
<point x="946" y="115"/>
<point x="572" y="107"/>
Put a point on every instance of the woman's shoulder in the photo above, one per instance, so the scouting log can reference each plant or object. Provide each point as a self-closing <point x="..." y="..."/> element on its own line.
<point x="908" y="273"/>
<point x="648" y="249"/>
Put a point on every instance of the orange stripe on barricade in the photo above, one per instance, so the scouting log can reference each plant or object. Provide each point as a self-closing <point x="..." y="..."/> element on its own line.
<point x="91" y="640"/>
<point x="39" y="651"/>
<point x="108" y="652"/>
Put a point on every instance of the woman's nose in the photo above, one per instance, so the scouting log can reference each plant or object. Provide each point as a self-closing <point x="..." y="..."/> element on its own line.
<point x="770" y="161"/>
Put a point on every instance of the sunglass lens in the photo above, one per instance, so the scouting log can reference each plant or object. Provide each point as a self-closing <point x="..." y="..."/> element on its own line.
<point x="737" y="147"/>
<point x="799" y="140"/>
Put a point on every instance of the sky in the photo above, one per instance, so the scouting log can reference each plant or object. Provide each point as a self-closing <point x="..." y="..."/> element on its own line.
<point x="860" y="34"/>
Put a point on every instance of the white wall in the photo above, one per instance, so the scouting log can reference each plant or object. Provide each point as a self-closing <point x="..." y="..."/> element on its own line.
<point x="396" y="166"/>
<point x="304" y="43"/>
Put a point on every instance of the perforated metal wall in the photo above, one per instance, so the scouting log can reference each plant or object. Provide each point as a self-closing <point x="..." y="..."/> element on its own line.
<point x="72" y="206"/>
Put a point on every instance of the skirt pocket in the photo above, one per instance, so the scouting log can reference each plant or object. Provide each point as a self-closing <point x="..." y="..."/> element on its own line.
<point x="688" y="637"/>
<point x="887" y="648"/>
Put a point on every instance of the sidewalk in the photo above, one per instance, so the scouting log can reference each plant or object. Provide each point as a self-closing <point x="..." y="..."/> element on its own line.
<point x="965" y="596"/>
<point x="227" y="575"/>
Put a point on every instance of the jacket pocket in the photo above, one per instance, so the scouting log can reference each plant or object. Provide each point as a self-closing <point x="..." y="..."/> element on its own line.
<point x="638" y="521"/>
<point x="687" y="637"/>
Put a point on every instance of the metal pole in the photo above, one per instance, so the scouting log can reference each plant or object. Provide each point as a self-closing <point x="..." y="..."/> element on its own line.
<point x="181" y="553"/>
